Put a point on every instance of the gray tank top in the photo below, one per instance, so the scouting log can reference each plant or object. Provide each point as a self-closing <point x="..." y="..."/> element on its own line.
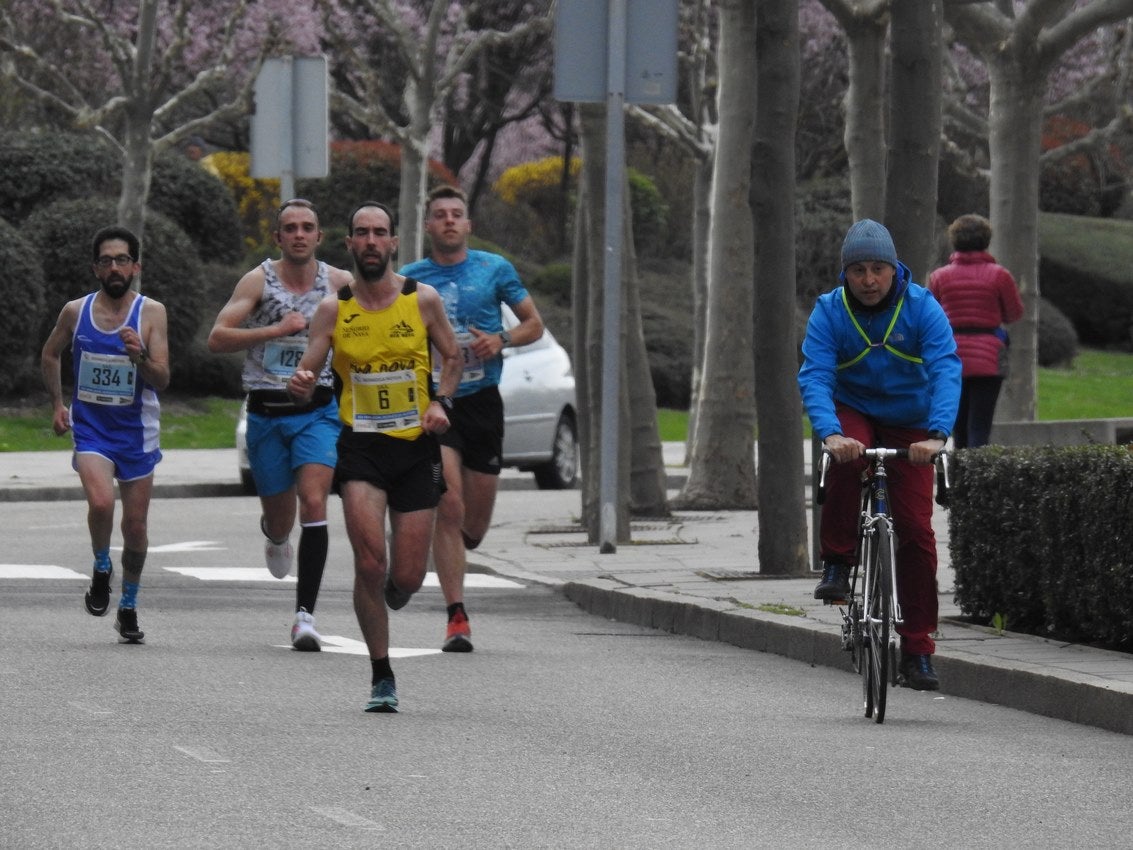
<point x="269" y="364"/>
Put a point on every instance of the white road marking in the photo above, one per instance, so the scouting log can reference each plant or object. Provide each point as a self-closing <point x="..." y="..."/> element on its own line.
<point x="202" y="754"/>
<point x="188" y="546"/>
<point x="243" y="574"/>
<point x="231" y="574"/>
<point x="349" y="646"/>
<point x="345" y="817"/>
<point x="38" y="571"/>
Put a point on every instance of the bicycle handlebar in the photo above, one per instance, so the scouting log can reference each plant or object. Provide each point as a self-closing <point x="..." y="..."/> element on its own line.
<point x="941" y="460"/>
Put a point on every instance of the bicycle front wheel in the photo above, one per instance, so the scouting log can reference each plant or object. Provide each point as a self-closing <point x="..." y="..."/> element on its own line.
<point x="878" y="617"/>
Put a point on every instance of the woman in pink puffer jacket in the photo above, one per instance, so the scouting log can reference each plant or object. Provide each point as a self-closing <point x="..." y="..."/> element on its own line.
<point x="980" y="297"/>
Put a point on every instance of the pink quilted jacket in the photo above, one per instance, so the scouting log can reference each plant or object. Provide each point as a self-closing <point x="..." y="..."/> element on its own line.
<point x="979" y="296"/>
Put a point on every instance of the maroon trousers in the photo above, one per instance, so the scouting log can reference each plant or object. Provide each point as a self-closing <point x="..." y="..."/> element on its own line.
<point x="910" y="504"/>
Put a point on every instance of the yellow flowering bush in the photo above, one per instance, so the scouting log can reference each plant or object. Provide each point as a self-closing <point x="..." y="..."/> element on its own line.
<point x="256" y="198"/>
<point x="527" y="181"/>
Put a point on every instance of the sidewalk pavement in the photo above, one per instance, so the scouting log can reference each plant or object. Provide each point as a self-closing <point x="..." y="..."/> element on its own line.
<point x="694" y="573"/>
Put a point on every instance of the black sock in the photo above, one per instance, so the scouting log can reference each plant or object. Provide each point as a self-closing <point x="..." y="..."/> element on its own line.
<point x="313" y="543"/>
<point x="454" y="607"/>
<point x="380" y="669"/>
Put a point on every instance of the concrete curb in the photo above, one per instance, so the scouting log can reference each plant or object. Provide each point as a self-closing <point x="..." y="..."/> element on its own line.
<point x="1063" y="695"/>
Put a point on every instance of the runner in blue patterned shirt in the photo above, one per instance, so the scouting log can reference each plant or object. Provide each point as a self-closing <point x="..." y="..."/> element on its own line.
<point x="472" y="284"/>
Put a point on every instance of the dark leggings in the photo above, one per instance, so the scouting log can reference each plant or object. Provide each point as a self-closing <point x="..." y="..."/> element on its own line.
<point x="977" y="408"/>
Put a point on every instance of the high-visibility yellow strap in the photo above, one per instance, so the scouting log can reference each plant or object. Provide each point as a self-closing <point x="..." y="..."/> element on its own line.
<point x="870" y="345"/>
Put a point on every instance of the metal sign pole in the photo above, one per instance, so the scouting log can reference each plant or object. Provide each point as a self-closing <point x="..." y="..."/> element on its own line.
<point x="612" y="277"/>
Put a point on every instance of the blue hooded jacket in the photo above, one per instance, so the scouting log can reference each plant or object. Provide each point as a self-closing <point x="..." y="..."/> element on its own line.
<point x="907" y="374"/>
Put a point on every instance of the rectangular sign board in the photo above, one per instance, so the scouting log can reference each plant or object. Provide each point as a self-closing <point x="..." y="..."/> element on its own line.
<point x="582" y="41"/>
<point x="290" y="121"/>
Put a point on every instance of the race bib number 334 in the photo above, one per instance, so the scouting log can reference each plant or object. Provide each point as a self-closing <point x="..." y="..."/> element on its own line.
<point x="106" y="379"/>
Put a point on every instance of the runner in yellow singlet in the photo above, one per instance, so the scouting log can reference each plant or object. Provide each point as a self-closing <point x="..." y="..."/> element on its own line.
<point x="381" y="327"/>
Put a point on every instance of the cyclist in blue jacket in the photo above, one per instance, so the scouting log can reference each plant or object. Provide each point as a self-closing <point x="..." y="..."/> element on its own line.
<point x="880" y="369"/>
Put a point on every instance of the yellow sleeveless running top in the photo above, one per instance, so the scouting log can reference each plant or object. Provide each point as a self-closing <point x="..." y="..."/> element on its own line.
<point x="381" y="365"/>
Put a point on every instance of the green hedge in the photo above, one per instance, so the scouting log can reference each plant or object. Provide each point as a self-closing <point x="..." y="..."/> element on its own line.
<point x="1085" y="271"/>
<point x="24" y="309"/>
<point x="171" y="272"/>
<point x="1043" y="538"/>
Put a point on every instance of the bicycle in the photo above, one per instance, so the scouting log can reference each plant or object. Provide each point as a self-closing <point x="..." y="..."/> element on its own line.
<point x="872" y="611"/>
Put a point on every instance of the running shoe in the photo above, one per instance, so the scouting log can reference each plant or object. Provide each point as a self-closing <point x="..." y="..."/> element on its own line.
<point x="127" y="626"/>
<point x="383" y="697"/>
<point x="303" y="635"/>
<point x="277" y="555"/>
<point x="458" y="634"/>
<point x="396" y="598"/>
<point x="97" y="598"/>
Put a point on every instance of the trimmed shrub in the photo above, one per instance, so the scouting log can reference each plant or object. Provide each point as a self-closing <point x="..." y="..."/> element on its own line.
<point x="22" y="291"/>
<point x="200" y="204"/>
<point x="1041" y="537"/>
<point x="171" y="272"/>
<point x="360" y="171"/>
<point x="1084" y="270"/>
<point x="553" y="284"/>
<point x="36" y="169"/>
<point x="1058" y="341"/>
<point x="822" y="215"/>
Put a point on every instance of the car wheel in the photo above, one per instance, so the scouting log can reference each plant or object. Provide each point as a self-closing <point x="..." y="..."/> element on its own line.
<point x="561" y="471"/>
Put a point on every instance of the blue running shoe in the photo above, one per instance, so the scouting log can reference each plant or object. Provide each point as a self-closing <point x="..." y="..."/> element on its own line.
<point x="383" y="697"/>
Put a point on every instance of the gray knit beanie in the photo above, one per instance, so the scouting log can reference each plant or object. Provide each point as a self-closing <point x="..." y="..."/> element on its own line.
<point x="867" y="240"/>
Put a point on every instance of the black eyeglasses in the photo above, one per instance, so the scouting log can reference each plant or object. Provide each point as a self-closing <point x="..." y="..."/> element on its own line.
<point x="122" y="261"/>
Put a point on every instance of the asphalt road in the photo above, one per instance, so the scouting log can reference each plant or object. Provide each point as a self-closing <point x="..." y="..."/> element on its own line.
<point x="560" y="730"/>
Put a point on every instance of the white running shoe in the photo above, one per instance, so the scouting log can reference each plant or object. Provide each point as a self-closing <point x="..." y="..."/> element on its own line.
<point x="277" y="555"/>
<point x="303" y="635"/>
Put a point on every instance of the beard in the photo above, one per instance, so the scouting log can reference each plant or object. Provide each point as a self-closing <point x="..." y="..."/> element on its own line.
<point x="371" y="267"/>
<point x="116" y="286"/>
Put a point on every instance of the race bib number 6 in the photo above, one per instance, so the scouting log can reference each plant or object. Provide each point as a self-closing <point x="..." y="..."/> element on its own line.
<point x="385" y="401"/>
<point x="106" y="379"/>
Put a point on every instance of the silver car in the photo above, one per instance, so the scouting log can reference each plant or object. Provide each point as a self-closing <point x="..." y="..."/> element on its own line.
<point x="540" y="415"/>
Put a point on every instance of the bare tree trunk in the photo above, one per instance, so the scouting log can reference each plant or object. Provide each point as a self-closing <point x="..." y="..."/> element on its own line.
<point x="1019" y="47"/>
<point x="1015" y="132"/>
<point x="722" y="468"/>
<point x="782" y="501"/>
<point x="647" y="496"/>
<point x="915" y="106"/>
<point x="865" y="24"/>
<point x="137" y="146"/>
<point x="702" y="228"/>
<point x="582" y="274"/>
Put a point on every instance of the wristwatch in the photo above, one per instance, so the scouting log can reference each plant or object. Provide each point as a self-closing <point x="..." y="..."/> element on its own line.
<point x="505" y="338"/>
<point x="938" y="435"/>
<point x="445" y="400"/>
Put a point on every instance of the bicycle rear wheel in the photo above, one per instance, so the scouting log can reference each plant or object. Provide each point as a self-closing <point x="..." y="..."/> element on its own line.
<point x="879" y="615"/>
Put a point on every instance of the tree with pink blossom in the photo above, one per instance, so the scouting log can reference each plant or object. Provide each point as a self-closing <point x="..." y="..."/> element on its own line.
<point x="142" y="77"/>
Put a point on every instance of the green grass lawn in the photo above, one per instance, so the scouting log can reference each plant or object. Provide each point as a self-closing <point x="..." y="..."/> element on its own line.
<point x="1099" y="385"/>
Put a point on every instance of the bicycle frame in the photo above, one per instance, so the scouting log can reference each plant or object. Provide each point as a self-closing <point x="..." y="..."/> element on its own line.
<point x="873" y="611"/>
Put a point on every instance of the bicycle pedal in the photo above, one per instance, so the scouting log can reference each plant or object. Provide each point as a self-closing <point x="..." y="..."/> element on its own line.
<point x="829" y="602"/>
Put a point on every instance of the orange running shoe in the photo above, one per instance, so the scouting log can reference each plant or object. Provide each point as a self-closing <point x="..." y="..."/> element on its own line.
<point x="457" y="635"/>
